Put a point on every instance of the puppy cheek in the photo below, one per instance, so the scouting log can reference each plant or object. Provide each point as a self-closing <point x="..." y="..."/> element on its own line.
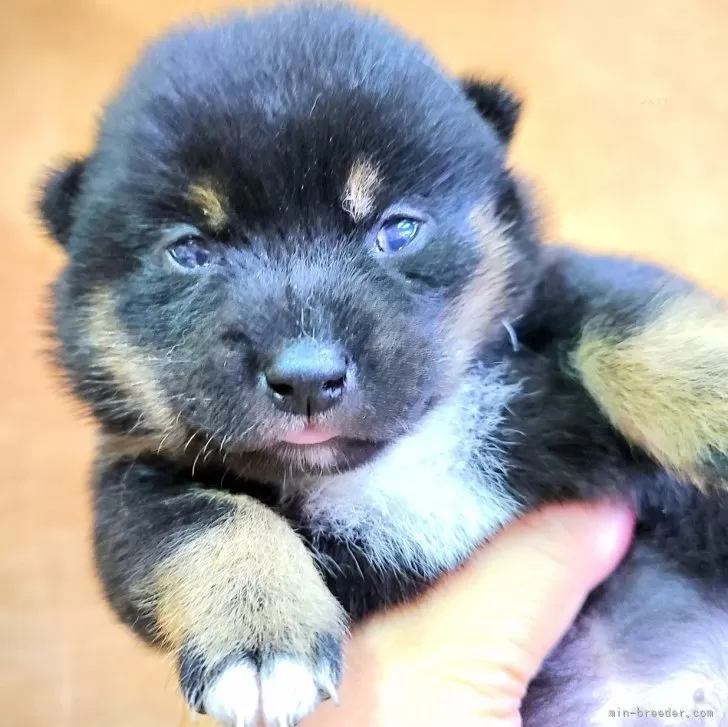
<point x="399" y="374"/>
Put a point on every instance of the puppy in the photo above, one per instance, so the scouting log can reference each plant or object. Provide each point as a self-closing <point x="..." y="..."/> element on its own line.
<point x="308" y="305"/>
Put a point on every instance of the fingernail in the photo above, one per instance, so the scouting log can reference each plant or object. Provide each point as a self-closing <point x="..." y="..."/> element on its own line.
<point x="615" y="527"/>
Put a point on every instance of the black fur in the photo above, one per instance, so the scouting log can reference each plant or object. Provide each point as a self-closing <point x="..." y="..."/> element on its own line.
<point x="142" y="509"/>
<point x="273" y="111"/>
<point x="57" y="202"/>
<point x="497" y="104"/>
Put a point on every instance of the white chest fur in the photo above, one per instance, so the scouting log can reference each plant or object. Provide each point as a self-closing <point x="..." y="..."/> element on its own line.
<point x="432" y="498"/>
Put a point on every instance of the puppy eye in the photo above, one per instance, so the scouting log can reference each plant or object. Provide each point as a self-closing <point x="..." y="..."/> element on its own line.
<point x="190" y="253"/>
<point x="396" y="233"/>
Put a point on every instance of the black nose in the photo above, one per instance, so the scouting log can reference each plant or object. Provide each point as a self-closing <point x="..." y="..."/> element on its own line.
<point x="307" y="377"/>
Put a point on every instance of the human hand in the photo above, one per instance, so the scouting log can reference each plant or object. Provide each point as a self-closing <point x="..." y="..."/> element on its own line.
<point x="464" y="654"/>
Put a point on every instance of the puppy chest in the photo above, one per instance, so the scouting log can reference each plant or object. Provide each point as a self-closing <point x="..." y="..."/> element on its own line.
<point x="416" y="509"/>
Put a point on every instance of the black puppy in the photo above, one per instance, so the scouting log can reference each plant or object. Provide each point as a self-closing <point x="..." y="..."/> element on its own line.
<point x="307" y="303"/>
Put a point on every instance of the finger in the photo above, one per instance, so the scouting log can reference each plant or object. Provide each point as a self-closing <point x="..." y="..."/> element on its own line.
<point x="490" y="626"/>
<point x="546" y="566"/>
<point x="464" y="654"/>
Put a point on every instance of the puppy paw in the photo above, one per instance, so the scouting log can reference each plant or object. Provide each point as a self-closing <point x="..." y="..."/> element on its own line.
<point x="257" y="632"/>
<point x="270" y="689"/>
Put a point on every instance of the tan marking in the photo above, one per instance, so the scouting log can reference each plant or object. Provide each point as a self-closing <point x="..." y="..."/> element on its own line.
<point x="483" y="303"/>
<point x="247" y="582"/>
<point x="211" y="203"/>
<point x="666" y="386"/>
<point x="131" y="368"/>
<point x="360" y="189"/>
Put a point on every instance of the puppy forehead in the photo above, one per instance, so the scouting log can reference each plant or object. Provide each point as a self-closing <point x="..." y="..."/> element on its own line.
<point x="300" y="111"/>
<point x="339" y="182"/>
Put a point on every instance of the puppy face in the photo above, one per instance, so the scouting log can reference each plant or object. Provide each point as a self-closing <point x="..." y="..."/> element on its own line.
<point x="292" y="237"/>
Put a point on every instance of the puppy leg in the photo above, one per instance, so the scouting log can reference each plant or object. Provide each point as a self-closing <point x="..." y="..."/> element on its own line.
<point x="224" y="583"/>
<point x="653" y="353"/>
<point x="664" y="384"/>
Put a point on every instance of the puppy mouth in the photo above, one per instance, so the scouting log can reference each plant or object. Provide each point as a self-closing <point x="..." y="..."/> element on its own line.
<point x="318" y="448"/>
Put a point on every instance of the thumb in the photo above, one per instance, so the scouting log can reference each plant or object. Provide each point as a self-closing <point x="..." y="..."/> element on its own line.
<point x="529" y="585"/>
<point x="486" y="630"/>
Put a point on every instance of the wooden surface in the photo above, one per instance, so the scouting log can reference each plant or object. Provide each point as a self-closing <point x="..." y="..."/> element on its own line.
<point x="625" y="133"/>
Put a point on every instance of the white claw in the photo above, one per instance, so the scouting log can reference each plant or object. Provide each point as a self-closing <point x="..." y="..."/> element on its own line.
<point x="327" y="685"/>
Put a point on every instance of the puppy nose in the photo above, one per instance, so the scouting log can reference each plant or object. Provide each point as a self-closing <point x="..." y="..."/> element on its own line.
<point x="306" y="377"/>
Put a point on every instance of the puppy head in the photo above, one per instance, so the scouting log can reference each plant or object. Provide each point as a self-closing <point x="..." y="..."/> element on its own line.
<point x="293" y="236"/>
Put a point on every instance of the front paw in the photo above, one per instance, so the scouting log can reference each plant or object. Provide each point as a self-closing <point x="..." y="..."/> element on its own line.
<point x="270" y="688"/>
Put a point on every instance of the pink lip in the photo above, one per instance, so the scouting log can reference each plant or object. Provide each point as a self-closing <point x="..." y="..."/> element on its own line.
<point x="309" y="435"/>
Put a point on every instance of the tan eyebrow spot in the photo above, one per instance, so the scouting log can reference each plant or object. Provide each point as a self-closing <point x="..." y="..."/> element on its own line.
<point x="360" y="188"/>
<point x="211" y="203"/>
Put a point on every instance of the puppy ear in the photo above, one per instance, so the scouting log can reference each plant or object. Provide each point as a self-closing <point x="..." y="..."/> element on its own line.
<point x="496" y="103"/>
<point x="58" y="197"/>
